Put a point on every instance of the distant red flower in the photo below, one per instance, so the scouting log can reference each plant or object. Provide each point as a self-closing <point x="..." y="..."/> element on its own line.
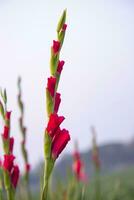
<point x="77" y="166"/>
<point x="60" y="66"/>
<point x="11" y="144"/>
<point x="54" y="123"/>
<point x="59" y="142"/>
<point x="64" y="27"/>
<point x="56" y="46"/>
<point x="8" y="162"/>
<point x="8" y="115"/>
<point x="28" y="167"/>
<point x="15" y="175"/>
<point x="5" y="135"/>
<point x="57" y="102"/>
<point x="51" y="85"/>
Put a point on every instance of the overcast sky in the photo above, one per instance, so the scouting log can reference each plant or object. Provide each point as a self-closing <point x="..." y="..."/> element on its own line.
<point x="97" y="83"/>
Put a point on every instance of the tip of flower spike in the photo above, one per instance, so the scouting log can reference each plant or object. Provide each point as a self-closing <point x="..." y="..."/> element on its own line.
<point x="62" y="20"/>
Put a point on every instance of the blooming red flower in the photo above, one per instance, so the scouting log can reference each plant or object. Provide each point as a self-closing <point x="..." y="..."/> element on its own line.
<point x="57" y="102"/>
<point x="64" y="27"/>
<point x="15" y="175"/>
<point x="54" y="123"/>
<point x="59" y="142"/>
<point x="60" y="66"/>
<point x="28" y="167"/>
<point x="8" y="115"/>
<point x="8" y="162"/>
<point x="11" y="144"/>
<point x="56" y="46"/>
<point x="51" y="85"/>
<point x="5" y="135"/>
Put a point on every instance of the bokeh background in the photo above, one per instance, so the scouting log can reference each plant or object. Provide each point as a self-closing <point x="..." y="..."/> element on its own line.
<point x="97" y="83"/>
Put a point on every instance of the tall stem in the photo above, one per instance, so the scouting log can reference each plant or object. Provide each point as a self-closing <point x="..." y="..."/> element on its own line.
<point x="47" y="172"/>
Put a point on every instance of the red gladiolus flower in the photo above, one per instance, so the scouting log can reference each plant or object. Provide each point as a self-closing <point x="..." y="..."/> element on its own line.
<point x="57" y="102"/>
<point x="60" y="66"/>
<point x="8" y="114"/>
<point x="8" y="162"/>
<point x="28" y="167"/>
<point x="59" y="142"/>
<point x="64" y="27"/>
<point x="77" y="166"/>
<point x="5" y="135"/>
<point x="11" y="144"/>
<point x="53" y="124"/>
<point x="51" y="85"/>
<point x="15" y="175"/>
<point x="56" y="46"/>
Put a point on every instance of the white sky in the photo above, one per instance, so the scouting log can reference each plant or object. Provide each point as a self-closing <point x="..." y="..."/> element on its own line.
<point x="97" y="83"/>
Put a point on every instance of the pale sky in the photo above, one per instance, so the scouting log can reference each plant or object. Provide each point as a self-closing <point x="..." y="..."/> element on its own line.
<point x="97" y="83"/>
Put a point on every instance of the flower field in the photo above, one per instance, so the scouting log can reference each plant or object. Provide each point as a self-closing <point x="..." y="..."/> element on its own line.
<point x="75" y="183"/>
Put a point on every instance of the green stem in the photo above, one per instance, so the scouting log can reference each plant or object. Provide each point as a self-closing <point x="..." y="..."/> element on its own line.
<point x="47" y="173"/>
<point x="9" y="194"/>
<point x="97" y="186"/>
<point x="1" y="198"/>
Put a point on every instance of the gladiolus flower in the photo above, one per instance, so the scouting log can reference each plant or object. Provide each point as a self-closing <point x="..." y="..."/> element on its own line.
<point x="51" y="85"/>
<point x="57" y="102"/>
<point x="15" y="175"/>
<point x="59" y="143"/>
<point x="8" y="114"/>
<point x="64" y="27"/>
<point x="60" y="66"/>
<point x="8" y="162"/>
<point x="5" y="135"/>
<point x="28" y="167"/>
<point x="56" y="46"/>
<point x="77" y="166"/>
<point x="54" y="123"/>
<point x="11" y="144"/>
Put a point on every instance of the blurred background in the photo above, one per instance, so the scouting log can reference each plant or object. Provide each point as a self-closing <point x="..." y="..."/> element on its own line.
<point x="97" y="81"/>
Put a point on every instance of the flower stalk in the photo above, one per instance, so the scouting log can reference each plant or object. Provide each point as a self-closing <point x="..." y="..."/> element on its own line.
<point x="55" y="138"/>
<point x="96" y="163"/>
<point x="10" y="171"/>
<point x="23" y="130"/>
